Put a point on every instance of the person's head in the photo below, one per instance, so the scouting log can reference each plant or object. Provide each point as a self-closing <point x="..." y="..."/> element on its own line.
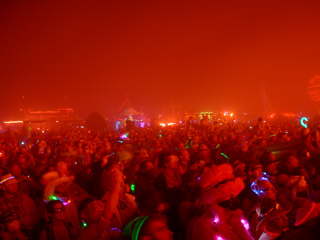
<point x="47" y="151"/>
<point x="189" y="179"/>
<point x="262" y="187"/>
<point x="69" y="160"/>
<point x="107" y="146"/>
<point x="9" y="184"/>
<point x="291" y="162"/>
<point x="153" y="227"/>
<point x="146" y="166"/>
<point x="306" y="134"/>
<point x="184" y="157"/>
<point x="62" y="169"/>
<point x="23" y="161"/>
<point x="15" y="170"/>
<point x="219" y="184"/>
<point x="269" y="163"/>
<point x="55" y="210"/>
<point x="146" y="170"/>
<point x="90" y="210"/>
<point x="143" y="153"/>
<point x="171" y="162"/>
<point x="240" y="169"/>
<point x="120" y="159"/>
<point x="62" y="189"/>
<point x="255" y="169"/>
<point x="86" y="149"/>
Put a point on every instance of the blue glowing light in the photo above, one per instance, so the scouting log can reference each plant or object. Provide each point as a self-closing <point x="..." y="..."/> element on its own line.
<point x="302" y="122"/>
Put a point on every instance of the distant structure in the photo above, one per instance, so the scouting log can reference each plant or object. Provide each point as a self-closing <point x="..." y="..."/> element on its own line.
<point x="127" y="116"/>
<point x="45" y="120"/>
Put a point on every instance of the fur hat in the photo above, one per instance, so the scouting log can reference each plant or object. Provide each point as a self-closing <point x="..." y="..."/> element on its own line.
<point x="215" y="175"/>
<point x="51" y="180"/>
<point x="219" y="184"/>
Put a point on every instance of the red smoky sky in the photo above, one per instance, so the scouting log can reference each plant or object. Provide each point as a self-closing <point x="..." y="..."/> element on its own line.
<point x="201" y="55"/>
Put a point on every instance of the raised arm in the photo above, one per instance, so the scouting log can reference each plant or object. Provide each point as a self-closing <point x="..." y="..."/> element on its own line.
<point x="112" y="197"/>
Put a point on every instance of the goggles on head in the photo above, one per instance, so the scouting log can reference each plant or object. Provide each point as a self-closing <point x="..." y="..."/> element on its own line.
<point x="95" y="206"/>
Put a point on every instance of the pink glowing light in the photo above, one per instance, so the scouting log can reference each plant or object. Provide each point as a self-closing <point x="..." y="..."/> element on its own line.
<point x="66" y="203"/>
<point x="4" y="180"/>
<point x="216" y="219"/>
<point x="245" y="224"/>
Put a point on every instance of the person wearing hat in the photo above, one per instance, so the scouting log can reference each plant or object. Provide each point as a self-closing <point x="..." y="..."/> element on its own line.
<point x="12" y="198"/>
<point x="10" y="226"/>
<point x="221" y="216"/>
<point x="57" y="188"/>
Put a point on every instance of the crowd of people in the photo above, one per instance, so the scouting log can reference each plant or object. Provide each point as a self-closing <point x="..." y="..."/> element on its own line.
<point x="219" y="181"/>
